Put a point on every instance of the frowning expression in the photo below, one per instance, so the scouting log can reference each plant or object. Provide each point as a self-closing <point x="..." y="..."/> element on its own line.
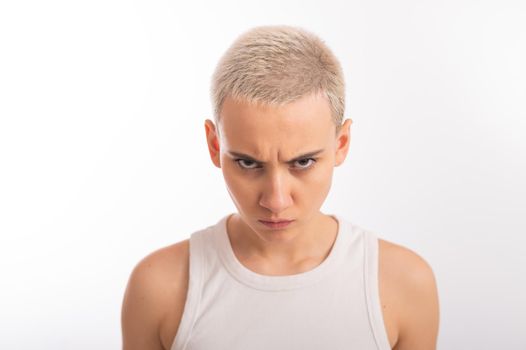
<point x="277" y="162"/>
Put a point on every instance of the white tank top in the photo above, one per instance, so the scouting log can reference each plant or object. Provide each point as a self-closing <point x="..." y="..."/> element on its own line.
<point x="335" y="305"/>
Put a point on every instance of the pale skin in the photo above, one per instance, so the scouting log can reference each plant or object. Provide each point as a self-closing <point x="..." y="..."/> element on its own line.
<point x="274" y="184"/>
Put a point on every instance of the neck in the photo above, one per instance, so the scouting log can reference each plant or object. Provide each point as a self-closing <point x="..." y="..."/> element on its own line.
<point x="306" y="241"/>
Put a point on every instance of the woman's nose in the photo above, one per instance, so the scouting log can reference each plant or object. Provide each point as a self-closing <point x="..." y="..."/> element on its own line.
<point x="276" y="194"/>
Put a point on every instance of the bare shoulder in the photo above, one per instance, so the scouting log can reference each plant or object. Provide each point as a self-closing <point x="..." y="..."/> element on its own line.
<point x="409" y="297"/>
<point x="154" y="298"/>
<point x="406" y="265"/>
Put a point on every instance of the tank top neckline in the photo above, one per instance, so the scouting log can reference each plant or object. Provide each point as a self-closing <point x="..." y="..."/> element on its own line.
<point x="282" y="282"/>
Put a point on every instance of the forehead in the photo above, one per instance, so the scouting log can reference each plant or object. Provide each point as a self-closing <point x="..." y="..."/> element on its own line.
<point x="303" y="124"/>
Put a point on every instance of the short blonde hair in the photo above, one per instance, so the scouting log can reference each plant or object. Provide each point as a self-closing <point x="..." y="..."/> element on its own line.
<point x="277" y="65"/>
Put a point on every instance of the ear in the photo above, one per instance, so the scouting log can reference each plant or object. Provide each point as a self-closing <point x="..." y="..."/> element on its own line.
<point x="343" y="139"/>
<point x="212" y="140"/>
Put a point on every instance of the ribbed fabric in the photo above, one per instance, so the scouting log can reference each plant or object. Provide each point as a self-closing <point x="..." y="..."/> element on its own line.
<point x="333" y="306"/>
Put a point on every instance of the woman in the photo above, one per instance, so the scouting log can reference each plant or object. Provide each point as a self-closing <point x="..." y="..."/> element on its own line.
<point x="279" y="273"/>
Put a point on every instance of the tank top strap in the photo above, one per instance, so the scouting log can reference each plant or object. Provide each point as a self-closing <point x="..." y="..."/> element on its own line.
<point x="199" y="244"/>
<point x="372" y="292"/>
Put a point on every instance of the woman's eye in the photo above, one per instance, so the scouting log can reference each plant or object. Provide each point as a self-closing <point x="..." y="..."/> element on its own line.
<point x="303" y="164"/>
<point x="307" y="162"/>
<point x="240" y="161"/>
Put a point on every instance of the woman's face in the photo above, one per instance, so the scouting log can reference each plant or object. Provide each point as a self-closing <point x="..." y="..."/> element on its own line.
<point x="262" y="152"/>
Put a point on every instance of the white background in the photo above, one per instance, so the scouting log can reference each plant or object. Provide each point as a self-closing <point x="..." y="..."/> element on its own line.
<point x="103" y="156"/>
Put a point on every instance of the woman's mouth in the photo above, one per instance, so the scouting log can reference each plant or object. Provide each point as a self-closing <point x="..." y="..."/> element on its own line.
<point x="276" y="225"/>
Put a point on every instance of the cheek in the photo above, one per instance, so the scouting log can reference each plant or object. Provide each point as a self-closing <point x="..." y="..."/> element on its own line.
<point x="238" y="185"/>
<point x="320" y="182"/>
<point x="321" y="170"/>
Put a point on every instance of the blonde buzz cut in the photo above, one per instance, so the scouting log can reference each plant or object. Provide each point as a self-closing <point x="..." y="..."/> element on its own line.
<point x="276" y="65"/>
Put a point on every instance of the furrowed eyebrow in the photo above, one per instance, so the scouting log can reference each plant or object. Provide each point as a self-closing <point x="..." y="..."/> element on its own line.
<point x="246" y="156"/>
